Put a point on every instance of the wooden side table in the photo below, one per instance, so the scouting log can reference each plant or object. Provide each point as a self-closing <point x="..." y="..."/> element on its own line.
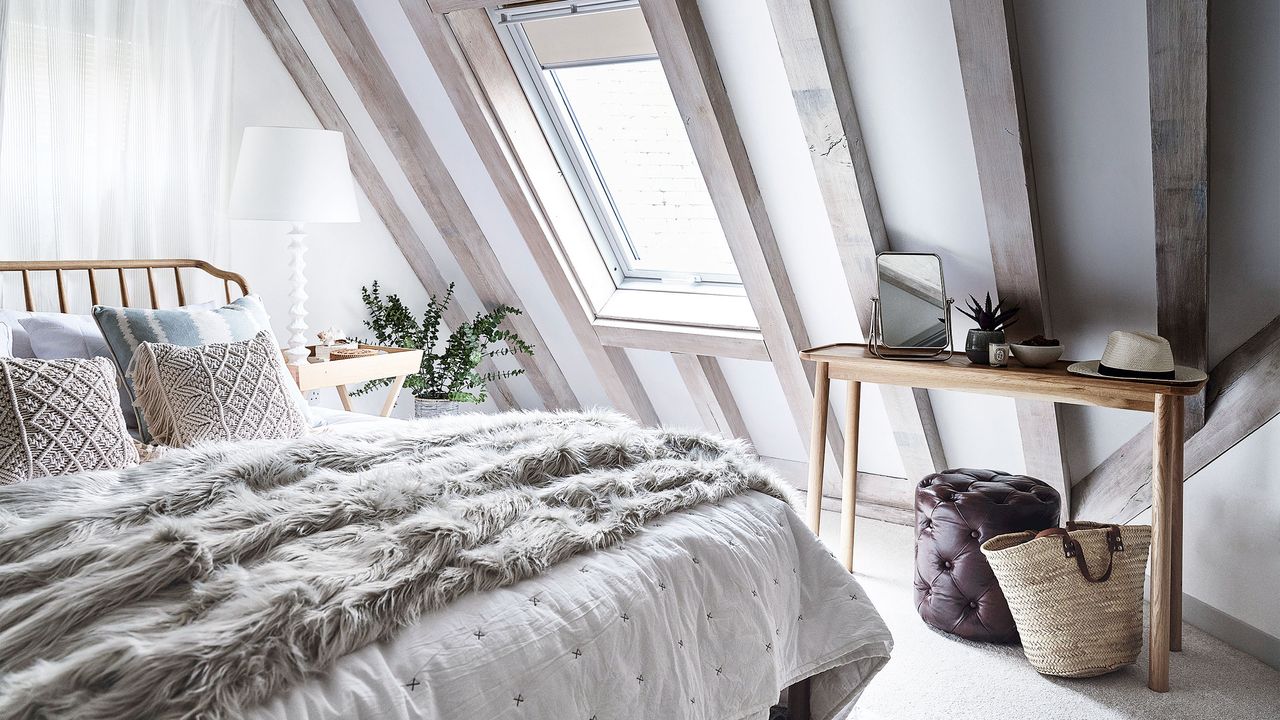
<point x="1053" y="383"/>
<point x="392" y="362"/>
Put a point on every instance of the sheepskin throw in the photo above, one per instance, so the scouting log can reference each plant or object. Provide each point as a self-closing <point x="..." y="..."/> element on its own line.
<point x="59" y="417"/>
<point x="200" y="584"/>
<point x="219" y="391"/>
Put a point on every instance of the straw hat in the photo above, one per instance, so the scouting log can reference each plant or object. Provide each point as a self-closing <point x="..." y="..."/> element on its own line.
<point x="1138" y="356"/>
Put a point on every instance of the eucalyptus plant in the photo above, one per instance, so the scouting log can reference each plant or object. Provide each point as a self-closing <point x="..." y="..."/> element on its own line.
<point x="449" y="371"/>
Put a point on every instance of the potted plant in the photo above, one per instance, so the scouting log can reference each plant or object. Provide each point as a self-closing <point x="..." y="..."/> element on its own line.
<point x="448" y="376"/>
<point x="992" y="322"/>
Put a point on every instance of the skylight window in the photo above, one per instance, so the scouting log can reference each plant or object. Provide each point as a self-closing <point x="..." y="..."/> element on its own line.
<point x="593" y="76"/>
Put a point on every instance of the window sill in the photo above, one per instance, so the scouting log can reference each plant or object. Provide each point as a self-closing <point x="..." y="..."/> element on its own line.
<point x="704" y="310"/>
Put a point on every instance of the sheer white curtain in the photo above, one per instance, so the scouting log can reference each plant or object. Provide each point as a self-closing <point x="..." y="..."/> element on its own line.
<point x="114" y="121"/>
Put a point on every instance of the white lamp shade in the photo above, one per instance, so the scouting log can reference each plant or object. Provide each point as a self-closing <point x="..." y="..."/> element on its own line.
<point x="295" y="174"/>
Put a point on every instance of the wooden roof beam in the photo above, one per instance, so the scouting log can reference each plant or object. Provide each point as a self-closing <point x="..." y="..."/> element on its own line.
<point x="1177" y="51"/>
<point x="820" y="87"/>
<point x="361" y="59"/>
<point x="987" y="46"/>
<point x="689" y="63"/>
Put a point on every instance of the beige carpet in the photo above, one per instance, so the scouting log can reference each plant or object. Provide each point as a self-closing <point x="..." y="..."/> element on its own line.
<point x="932" y="675"/>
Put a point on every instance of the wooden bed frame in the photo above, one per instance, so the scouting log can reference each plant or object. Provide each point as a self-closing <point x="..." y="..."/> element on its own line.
<point x="796" y="696"/>
<point x="62" y="268"/>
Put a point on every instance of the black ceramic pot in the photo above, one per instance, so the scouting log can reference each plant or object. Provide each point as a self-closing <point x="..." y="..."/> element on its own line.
<point x="975" y="346"/>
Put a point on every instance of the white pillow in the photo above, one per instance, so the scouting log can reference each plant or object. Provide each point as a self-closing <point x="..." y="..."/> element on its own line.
<point x="6" y="341"/>
<point x="20" y="343"/>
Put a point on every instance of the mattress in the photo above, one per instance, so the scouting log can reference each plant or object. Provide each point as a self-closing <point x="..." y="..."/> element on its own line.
<point x="705" y="614"/>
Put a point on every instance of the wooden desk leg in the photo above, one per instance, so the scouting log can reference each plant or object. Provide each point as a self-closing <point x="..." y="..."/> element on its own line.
<point x="818" y="444"/>
<point x="849" y="491"/>
<point x="1175" y="526"/>
<point x="392" y="394"/>
<point x="1162" y="521"/>
<point x="344" y="397"/>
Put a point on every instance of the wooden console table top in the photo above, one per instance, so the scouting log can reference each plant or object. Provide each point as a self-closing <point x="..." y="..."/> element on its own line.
<point x="1053" y="383"/>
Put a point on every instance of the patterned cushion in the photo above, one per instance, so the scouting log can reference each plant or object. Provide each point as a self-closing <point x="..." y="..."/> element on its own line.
<point x="127" y="328"/>
<point x="59" y="417"/>
<point x="218" y="391"/>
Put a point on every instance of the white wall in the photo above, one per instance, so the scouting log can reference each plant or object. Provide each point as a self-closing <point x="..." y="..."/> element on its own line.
<point x="1084" y="67"/>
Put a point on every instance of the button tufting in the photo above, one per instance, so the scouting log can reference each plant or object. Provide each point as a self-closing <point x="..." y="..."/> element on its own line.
<point x="957" y="509"/>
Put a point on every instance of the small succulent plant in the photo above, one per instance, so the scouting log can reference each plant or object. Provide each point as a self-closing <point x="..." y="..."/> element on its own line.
<point x="987" y="317"/>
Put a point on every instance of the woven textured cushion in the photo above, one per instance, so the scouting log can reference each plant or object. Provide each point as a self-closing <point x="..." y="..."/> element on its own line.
<point x="957" y="511"/>
<point x="125" y="329"/>
<point x="59" y="417"/>
<point x="218" y="391"/>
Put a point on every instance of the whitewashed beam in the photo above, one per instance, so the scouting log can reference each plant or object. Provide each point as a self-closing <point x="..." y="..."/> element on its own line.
<point x="444" y="6"/>
<point x="992" y="79"/>
<point x="360" y="58"/>
<point x="1177" y="51"/>
<point x="740" y="344"/>
<point x="814" y="64"/>
<point x="1244" y="395"/>
<point x="323" y="104"/>
<point x="689" y="63"/>
<point x="487" y="97"/>
<point x="711" y="395"/>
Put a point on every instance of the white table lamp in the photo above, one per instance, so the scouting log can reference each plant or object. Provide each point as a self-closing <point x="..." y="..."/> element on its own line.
<point x="301" y="176"/>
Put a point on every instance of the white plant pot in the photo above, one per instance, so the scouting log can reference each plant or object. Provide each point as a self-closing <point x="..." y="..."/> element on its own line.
<point x="428" y="408"/>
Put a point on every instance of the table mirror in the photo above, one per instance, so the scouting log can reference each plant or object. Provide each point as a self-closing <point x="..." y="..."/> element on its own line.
<point x="911" y="318"/>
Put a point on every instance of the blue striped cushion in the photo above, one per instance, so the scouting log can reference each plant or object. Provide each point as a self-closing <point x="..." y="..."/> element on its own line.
<point x="127" y="328"/>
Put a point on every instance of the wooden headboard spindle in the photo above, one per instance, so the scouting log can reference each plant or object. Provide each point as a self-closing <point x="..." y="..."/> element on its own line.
<point x="60" y="269"/>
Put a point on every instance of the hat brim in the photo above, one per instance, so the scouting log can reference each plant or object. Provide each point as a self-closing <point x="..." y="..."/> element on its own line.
<point x="1182" y="375"/>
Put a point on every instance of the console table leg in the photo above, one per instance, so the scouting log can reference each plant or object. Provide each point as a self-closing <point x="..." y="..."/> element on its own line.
<point x="818" y="444"/>
<point x="1164" y="440"/>
<point x="849" y="491"/>
<point x="1175" y="525"/>
<point x="344" y="397"/>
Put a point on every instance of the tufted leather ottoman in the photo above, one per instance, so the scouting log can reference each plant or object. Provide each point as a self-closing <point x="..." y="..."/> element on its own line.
<point x="957" y="511"/>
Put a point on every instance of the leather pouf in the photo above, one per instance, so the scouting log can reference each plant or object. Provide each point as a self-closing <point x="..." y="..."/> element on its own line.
<point x="957" y="511"/>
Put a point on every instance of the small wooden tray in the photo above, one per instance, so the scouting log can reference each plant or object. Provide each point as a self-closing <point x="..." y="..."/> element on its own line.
<point x="390" y="362"/>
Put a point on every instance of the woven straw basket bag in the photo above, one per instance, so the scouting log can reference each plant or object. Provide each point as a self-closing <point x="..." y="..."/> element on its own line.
<point x="1076" y="595"/>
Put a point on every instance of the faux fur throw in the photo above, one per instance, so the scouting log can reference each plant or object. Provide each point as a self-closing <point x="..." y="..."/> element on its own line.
<point x="202" y="583"/>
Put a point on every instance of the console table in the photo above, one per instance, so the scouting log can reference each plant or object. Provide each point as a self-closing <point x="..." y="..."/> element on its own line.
<point x="857" y="365"/>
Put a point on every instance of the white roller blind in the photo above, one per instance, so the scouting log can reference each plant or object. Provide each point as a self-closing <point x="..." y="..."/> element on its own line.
<point x="590" y="38"/>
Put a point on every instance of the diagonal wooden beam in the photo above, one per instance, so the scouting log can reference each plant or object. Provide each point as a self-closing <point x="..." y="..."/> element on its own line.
<point x="473" y="86"/>
<point x="689" y="63"/>
<point x="814" y="63"/>
<point x="323" y="104"/>
<point x="1244" y="395"/>
<point x="360" y="58"/>
<point x="989" y="67"/>
<point x="1177" y="51"/>
<point x="711" y="394"/>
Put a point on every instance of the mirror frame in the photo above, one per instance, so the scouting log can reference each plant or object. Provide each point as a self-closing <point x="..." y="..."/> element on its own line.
<point x="876" y="340"/>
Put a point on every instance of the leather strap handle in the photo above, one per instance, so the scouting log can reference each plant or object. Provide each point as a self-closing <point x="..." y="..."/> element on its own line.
<point x="1071" y="549"/>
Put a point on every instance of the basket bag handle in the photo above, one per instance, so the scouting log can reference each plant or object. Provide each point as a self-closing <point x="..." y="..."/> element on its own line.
<point x="1071" y="549"/>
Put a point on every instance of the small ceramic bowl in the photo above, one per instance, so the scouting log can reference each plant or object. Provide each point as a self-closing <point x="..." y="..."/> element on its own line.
<point x="1036" y="355"/>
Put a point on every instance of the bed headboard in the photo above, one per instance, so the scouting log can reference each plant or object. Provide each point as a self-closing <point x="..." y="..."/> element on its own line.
<point x="71" y="270"/>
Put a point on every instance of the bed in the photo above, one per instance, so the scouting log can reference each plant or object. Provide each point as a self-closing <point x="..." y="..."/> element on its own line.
<point x="704" y="612"/>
